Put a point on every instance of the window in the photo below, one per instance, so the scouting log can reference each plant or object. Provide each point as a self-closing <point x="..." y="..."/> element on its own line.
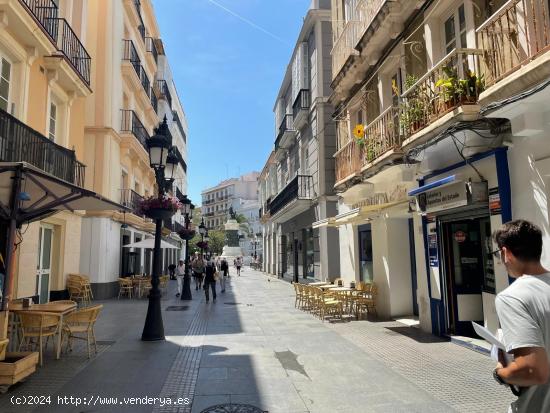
<point x="455" y="30"/>
<point x="5" y="75"/>
<point x="53" y="122"/>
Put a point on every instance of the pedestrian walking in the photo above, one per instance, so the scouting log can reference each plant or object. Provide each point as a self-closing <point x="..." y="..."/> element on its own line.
<point x="180" y="273"/>
<point x="238" y="262"/>
<point x="198" y="271"/>
<point x="224" y="269"/>
<point x="172" y="271"/>
<point x="523" y="310"/>
<point x="210" y="280"/>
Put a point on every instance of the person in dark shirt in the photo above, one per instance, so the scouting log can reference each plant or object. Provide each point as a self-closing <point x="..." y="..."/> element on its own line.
<point x="209" y="280"/>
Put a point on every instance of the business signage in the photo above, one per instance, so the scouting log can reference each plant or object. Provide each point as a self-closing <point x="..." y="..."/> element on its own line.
<point x="451" y="196"/>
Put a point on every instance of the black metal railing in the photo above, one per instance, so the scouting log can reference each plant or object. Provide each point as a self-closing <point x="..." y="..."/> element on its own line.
<point x="179" y="194"/>
<point x="154" y="100"/>
<point x="177" y="227"/>
<point x="151" y="47"/>
<point x="20" y="143"/>
<point x="302" y="102"/>
<point x="130" y="199"/>
<point x="180" y="158"/>
<point x="286" y="125"/>
<point x="141" y="30"/>
<point x="137" y="4"/>
<point x="145" y="83"/>
<point x="129" y="52"/>
<point x="130" y="123"/>
<point x="301" y="187"/>
<point x="176" y="119"/>
<point x="164" y="91"/>
<point x="45" y="12"/>
<point x="69" y="43"/>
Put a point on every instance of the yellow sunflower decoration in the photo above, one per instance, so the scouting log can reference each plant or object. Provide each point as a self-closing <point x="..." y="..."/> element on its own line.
<point x="359" y="131"/>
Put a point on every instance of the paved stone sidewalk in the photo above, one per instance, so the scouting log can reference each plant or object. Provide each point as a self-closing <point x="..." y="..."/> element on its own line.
<point x="252" y="346"/>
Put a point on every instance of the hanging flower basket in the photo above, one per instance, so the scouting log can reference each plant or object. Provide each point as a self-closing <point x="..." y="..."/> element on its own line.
<point x="186" y="234"/>
<point x="159" y="208"/>
<point x="203" y="245"/>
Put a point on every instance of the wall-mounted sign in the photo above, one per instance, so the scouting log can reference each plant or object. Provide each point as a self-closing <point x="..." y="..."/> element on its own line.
<point x="451" y="196"/>
<point x="494" y="202"/>
<point x="460" y="236"/>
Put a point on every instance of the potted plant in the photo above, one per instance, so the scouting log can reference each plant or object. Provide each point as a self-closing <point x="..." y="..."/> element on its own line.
<point x="159" y="208"/>
<point x="470" y="88"/>
<point x="203" y="245"/>
<point x="413" y="112"/>
<point x="449" y="86"/>
<point x="187" y="234"/>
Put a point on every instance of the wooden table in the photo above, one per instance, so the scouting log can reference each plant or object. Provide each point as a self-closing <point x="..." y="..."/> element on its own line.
<point x="342" y="289"/>
<point x="58" y="309"/>
<point x="319" y="283"/>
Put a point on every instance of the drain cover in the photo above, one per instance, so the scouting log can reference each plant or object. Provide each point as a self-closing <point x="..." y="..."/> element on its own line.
<point x="177" y="308"/>
<point x="233" y="408"/>
<point x="105" y="342"/>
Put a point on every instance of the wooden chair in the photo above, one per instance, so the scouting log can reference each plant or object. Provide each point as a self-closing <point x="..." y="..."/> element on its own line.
<point x="366" y="301"/>
<point x="82" y="289"/>
<point x="79" y="323"/>
<point x="14" y="326"/>
<point x="125" y="287"/>
<point x="37" y="325"/>
<point x="164" y="282"/>
<point x="4" y="345"/>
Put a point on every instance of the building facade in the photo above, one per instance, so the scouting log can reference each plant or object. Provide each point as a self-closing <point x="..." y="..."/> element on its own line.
<point x="134" y="93"/>
<point x="297" y="182"/>
<point x="230" y="193"/>
<point x="44" y="82"/>
<point x="441" y="139"/>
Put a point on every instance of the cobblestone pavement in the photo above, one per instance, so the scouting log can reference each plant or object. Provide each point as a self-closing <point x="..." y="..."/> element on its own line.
<point x="253" y="347"/>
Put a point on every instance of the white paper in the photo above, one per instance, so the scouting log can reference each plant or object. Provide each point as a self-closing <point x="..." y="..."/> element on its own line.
<point x="490" y="337"/>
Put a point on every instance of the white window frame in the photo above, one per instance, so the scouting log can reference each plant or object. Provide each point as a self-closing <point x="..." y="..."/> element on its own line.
<point x="10" y="80"/>
<point x="453" y="12"/>
<point x="53" y="135"/>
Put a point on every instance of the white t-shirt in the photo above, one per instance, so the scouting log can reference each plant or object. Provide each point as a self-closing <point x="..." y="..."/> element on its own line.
<point x="180" y="270"/>
<point x="524" y="313"/>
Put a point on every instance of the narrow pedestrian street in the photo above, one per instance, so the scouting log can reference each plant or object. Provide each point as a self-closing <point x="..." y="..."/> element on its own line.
<point x="253" y="347"/>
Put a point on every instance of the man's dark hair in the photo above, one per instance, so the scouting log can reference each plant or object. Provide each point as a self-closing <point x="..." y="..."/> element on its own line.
<point x="522" y="238"/>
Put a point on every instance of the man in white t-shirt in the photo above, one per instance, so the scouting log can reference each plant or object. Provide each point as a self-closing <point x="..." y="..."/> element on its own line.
<point x="524" y="313"/>
<point x="180" y="273"/>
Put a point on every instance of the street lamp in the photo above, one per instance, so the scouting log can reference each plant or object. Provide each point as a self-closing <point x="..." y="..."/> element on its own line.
<point x="187" y="210"/>
<point x="158" y="147"/>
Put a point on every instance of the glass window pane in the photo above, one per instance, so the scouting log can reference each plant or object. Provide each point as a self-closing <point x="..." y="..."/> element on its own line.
<point x="53" y="111"/>
<point x="3" y="104"/>
<point x="461" y="18"/>
<point x="44" y="288"/>
<point x="4" y="89"/>
<point x="46" y="251"/>
<point x="450" y="33"/>
<point x="6" y="69"/>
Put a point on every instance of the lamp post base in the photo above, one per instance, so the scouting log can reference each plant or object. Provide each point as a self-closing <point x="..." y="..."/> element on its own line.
<point x="186" y="289"/>
<point x="154" y="328"/>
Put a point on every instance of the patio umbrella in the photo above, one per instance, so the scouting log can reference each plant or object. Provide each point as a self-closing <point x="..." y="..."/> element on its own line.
<point x="150" y="243"/>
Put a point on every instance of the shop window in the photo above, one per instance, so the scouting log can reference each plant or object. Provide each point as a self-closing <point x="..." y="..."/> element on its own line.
<point x="5" y="76"/>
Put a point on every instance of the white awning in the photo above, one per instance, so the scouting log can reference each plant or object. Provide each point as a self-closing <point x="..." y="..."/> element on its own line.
<point x="328" y="222"/>
<point x="363" y="214"/>
<point x="149" y="243"/>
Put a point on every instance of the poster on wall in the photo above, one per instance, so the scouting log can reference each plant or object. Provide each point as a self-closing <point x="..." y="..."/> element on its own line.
<point x="432" y="250"/>
<point x="494" y="201"/>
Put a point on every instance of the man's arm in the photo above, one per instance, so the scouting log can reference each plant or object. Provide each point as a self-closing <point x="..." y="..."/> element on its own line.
<point x="529" y="368"/>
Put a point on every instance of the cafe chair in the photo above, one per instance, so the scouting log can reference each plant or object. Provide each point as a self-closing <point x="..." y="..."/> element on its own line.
<point x="80" y="325"/>
<point x="366" y="301"/>
<point x="37" y="326"/>
<point x="125" y="287"/>
<point x="14" y="326"/>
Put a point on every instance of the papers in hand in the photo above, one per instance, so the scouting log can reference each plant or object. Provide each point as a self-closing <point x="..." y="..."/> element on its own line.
<point x="490" y="337"/>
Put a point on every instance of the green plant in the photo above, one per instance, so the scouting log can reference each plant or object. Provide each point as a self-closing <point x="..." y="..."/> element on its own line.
<point x="472" y="85"/>
<point x="413" y="110"/>
<point x="449" y="85"/>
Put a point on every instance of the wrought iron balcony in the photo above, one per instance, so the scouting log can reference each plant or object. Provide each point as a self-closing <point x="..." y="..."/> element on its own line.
<point x="130" y="199"/>
<point x="179" y="194"/>
<point x="348" y="160"/>
<point x="300" y="108"/>
<point x="152" y="48"/>
<point x="20" y="143"/>
<point x="61" y="35"/>
<point x="300" y="188"/>
<point x="513" y="36"/>
<point x="383" y="135"/>
<point x="154" y="101"/>
<point x="164" y="91"/>
<point x="180" y="159"/>
<point x="177" y="227"/>
<point x="176" y="119"/>
<point x="130" y="123"/>
<point x="129" y="53"/>
<point x="286" y="133"/>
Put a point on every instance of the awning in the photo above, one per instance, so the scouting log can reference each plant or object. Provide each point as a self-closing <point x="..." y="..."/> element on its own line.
<point x="43" y="194"/>
<point x="328" y="222"/>
<point x="436" y="184"/>
<point x="364" y="213"/>
<point x="150" y="244"/>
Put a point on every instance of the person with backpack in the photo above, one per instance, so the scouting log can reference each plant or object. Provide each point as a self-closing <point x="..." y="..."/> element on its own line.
<point x="210" y="279"/>
<point x="224" y="269"/>
<point x="523" y="309"/>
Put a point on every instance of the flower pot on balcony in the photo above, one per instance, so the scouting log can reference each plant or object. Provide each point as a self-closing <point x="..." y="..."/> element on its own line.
<point x="468" y="100"/>
<point x="159" y="213"/>
<point x="17" y="366"/>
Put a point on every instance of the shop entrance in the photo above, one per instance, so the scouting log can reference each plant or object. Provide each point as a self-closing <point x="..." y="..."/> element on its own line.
<point x="467" y="265"/>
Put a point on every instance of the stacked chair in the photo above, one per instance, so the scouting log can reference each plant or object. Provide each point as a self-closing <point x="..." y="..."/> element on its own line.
<point x="80" y="289"/>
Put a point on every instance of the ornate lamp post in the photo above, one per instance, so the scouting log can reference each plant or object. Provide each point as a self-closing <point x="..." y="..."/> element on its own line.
<point x="159" y="147"/>
<point x="203" y="231"/>
<point x="187" y="210"/>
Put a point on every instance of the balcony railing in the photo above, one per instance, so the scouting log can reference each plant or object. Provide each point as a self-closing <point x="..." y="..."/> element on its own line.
<point x="344" y="46"/>
<point x="366" y="12"/>
<point x="453" y="82"/>
<point x="302" y="102"/>
<point x="180" y="159"/>
<point x="20" y="143"/>
<point x="176" y="119"/>
<point x="152" y="48"/>
<point x="69" y="43"/>
<point x="164" y="91"/>
<point x="301" y="187"/>
<point x="46" y="12"/>
<point x="177" y="227"/>
<point x="382" y="135"/>
<point x="287" y="125"/>
<point x="348" y="160"/>
<point x="130" y="123"/>
<point x="513" y="36"/>
<point x="62" y="35"/>
<point x="130" y="199"/>
<point x="154" y="101"/>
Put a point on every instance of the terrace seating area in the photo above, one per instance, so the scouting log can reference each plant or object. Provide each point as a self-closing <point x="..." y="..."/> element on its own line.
<point x="334" y="301"/>
<point x="138" y="286"/>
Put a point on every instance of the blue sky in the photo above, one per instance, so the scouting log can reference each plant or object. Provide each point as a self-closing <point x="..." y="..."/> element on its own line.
<point x="228" y="73"/>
